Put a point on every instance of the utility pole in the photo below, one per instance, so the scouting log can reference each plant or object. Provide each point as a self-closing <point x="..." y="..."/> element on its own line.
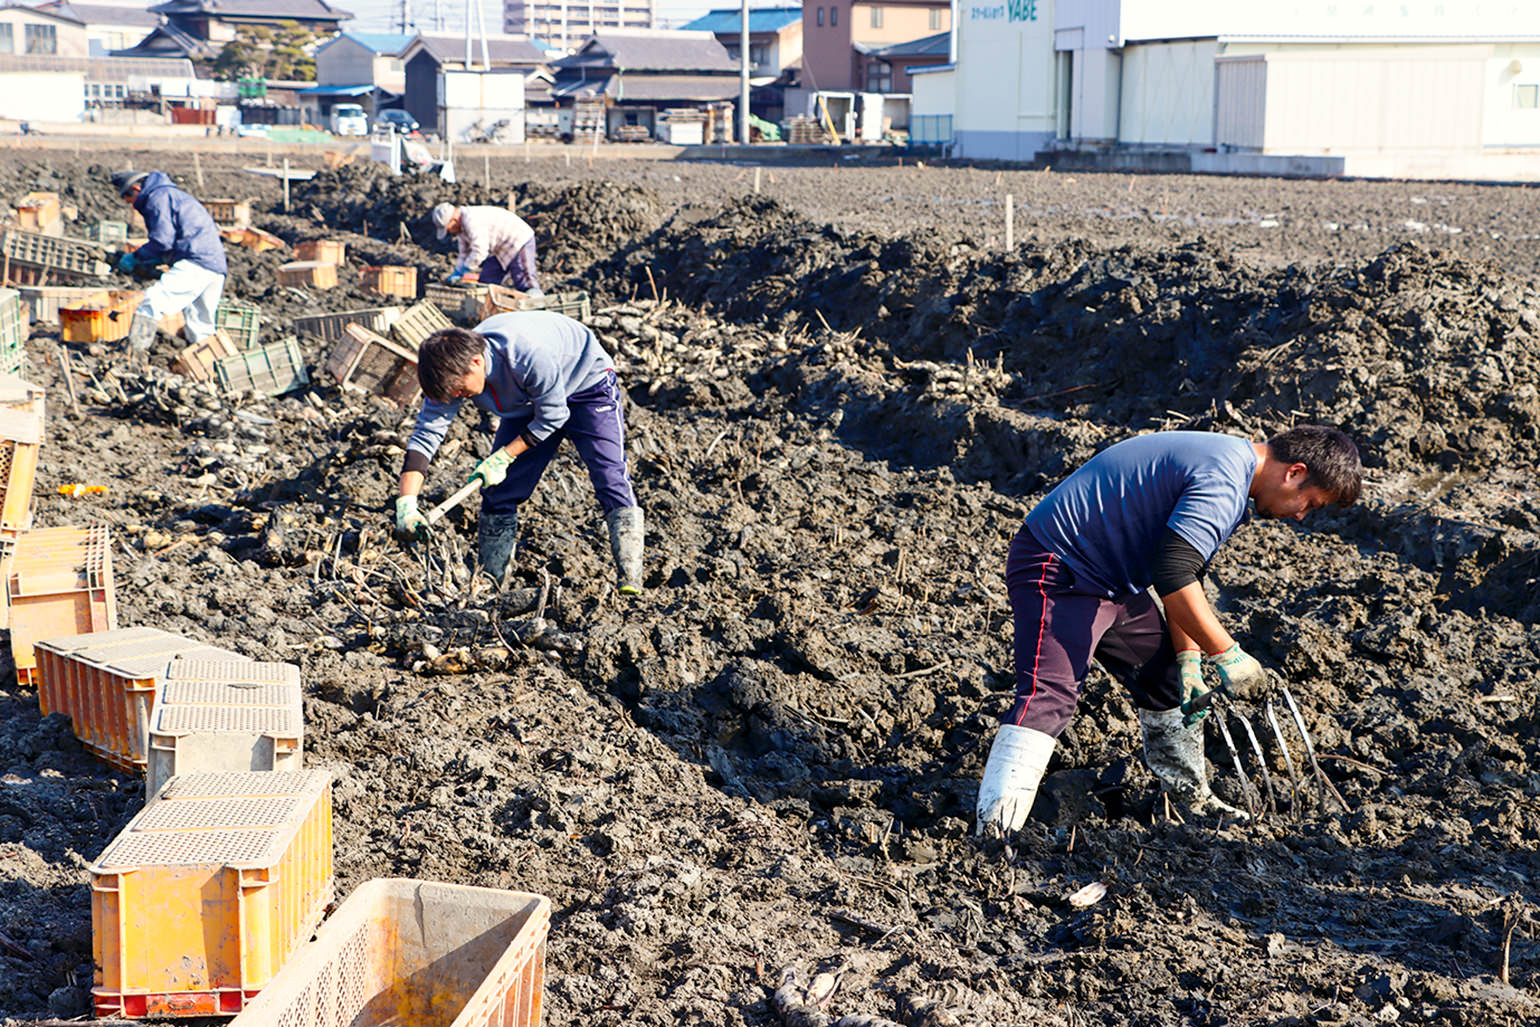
<point x="743" y="75"/>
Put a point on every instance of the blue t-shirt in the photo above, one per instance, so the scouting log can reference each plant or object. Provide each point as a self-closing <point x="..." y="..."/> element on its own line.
<point x="1106" y="520"/>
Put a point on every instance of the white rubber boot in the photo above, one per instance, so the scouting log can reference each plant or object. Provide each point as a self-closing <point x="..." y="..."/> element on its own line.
<point x="1174" y="754"/>
<point x="1017" y="761"/>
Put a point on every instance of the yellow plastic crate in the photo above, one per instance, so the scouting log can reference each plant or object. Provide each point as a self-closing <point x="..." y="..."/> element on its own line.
<point x="106" y="682"/>
<point x="220" y="714"/>
<point x="59" y="583"/>
<point x="402" y="951"/>
<point x="208" y="892"/>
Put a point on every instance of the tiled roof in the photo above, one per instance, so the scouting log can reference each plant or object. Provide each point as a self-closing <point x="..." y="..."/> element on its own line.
<point x="761" y="19"/>
<point x="651" y="50"/>
<point x="448" y="49"/>
<point x="308" y="10"/>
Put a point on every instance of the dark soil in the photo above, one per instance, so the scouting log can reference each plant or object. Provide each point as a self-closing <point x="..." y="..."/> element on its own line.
<point x="843" y="399"/>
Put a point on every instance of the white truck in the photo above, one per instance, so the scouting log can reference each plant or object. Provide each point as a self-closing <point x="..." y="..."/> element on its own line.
<point x="348" y="119"/>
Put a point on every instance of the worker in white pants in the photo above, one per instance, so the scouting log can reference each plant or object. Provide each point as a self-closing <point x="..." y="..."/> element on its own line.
<point x="184" y="236"/>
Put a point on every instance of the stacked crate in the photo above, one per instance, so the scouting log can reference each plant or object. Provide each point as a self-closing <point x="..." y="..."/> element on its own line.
<point x="370" y="362"/>
<point x="58" y="583"/>
<point x="104" y="317"/>
<point x="329" y="327"/>
<point x="21" y="439"/>
<point x="225" y="714"/>
<point x="43" y="302"/>
<point x="418" y="322"/>
<point x="205" y="895"/>
<point x="229" y="213"/>
<point x="107" y="684"/>
<point x="242" y="322"/>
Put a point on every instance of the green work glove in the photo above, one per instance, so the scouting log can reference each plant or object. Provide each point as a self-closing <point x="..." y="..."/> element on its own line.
<point x="1240" y="675"/>
<point x="1189" y="667"/>
<point x="410" y="523"/>
<point x="493" y="469"/>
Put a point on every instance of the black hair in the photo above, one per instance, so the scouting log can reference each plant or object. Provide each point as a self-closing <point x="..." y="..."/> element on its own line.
<point x="444" y="358"/>
<point x="1331" y="457"/>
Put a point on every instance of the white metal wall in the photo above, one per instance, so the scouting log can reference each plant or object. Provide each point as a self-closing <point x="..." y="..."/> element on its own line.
<point x="1503" y="122"/>
<point x="1004" y="78"/>
<point x="1168" y="93"/>
<point x="42" y="95"/>
<point x="1240" y="102"/>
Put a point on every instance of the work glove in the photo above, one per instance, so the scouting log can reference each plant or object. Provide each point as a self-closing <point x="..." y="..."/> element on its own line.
<point x="1189" y="666"/>
<point x="455" y="276"/>
<point x="493" y="469"/>
<point x="1240" y="675"/>
<point x="127" y="263"/>
<point x="410" y="523"/>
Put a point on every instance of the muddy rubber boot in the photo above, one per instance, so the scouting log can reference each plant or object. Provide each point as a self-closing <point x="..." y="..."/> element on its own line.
<point x="1174" y="754"/>
<point x="627" y="534"/>
<point x="497" y="534"/>
<point x="141" y="335"/>
<point x="1016" y="764"/>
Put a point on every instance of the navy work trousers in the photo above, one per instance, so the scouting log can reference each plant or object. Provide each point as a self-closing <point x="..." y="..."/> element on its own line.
<point x="596" y="424"/>
<point x="519" y="275"/>
<point x="1059" y="628"/>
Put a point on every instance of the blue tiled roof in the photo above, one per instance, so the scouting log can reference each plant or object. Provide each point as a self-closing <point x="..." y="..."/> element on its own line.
<point x="761" y="19"/>
<point x="383" y="42"/>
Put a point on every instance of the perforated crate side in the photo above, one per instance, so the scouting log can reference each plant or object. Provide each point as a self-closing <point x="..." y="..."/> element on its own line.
<point x="330" y="327"/>
<point x="271" y="370"/>
<point x="242" y="322"/>
<point x="418" y="322"/>
<point x="59" y="583"/>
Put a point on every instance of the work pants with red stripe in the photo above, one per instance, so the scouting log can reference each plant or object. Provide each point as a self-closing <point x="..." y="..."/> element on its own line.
<point x="1060" y="628"/>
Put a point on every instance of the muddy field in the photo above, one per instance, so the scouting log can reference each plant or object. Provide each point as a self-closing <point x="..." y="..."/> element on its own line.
<point x="843" y="398"/>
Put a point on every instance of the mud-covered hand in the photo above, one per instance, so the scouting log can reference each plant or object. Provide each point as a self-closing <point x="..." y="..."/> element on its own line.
<point x="410" y="522"/>
<point x="1189" y="667"/>
<point x="1241" y="675"/>
<point x="493" y="469"/>
<point x="127" y="263"/>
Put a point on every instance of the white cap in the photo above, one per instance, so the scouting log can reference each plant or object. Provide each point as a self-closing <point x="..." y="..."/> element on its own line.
<point x="442" y="215"/>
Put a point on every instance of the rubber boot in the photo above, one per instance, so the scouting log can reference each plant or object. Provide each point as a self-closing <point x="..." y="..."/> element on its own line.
<point x="1174" y="754"/>
<point x="497" y="534"/>
<point x="141" y="335"/>
<point x="1017" y="761"/>
<point x="627" y="536"/>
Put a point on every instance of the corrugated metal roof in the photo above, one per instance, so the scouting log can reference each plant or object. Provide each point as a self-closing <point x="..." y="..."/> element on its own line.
<point x="761" y="19"/>
<point x="101" y="69"/>
<point x="651" y="50"/>
<point x="310" y="10"/>
<point x="501" y="49"/>
<point x="652" y="88"/>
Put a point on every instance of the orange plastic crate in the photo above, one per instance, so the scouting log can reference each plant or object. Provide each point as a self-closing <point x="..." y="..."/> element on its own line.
<point x="104" y="318"/>
<point x="21" y="439"/>
<point x="106" y="682"/>
<point x="403" y="951"/>
<point x="59" y="583"/>
<point x="221" y="714"/>
<point x="330" y="251"/>
<point x="317" y="274"/>
<point x="209" y="891"/>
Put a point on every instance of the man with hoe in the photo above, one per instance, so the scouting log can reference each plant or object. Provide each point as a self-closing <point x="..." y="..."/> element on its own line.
<point x="183" y="236"/>
<point x="1149" y="511"/>
<point x="547" y="378"/>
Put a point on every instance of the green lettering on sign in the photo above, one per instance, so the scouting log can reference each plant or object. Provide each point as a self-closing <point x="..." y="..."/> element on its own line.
<point x="1022" y="10"/>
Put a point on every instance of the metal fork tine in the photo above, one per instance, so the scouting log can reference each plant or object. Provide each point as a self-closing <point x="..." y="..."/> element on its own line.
<point x="1256" y="750"/>
<point x="1322" y="780"/>
<point x="1288" y="760"/>
<point x="1253" y="797"/>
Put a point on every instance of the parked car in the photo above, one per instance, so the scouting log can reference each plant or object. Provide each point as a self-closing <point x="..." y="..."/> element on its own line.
<point x="396" y="121"/>
<point x="348" y="119"/>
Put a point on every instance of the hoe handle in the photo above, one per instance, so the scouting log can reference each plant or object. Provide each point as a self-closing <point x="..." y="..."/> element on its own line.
<point x="465" y="492"/>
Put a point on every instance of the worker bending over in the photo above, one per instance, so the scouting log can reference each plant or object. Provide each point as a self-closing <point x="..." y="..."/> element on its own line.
<point x="496" y="241"/>
<point x="1152" y="510"/>
<point x="184" y="236"/>
<point x="548" y="379"/>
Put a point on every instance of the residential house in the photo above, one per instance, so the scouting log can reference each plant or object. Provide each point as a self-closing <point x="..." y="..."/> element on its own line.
<point x="637" y="74"/>
<point x="199" y="29"/>
<point x="837" y="33"/>
<point x="775" y="37"/>
<point x="29" y="31"/>
<point x="430" y="56"/>
<point x="360" y="67"/>
<point x="109" y="26"/>
<point x="566" y="25"/>
<point x="886" y="68"/>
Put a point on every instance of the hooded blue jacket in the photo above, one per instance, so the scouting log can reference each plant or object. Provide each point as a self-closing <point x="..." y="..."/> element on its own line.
<point x="180" y="229"/>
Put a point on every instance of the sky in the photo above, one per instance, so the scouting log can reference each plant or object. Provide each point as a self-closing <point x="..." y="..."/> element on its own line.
<point x="383" y="15"/>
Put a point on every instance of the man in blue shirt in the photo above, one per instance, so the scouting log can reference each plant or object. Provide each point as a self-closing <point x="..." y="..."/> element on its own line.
<point x="184" y="237"/>
<point x="1149" y="511"/>
<point x="547" y="378"/>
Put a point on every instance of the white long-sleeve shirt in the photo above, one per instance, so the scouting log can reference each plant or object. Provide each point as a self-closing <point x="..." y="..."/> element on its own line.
<point x="493" y="231"/>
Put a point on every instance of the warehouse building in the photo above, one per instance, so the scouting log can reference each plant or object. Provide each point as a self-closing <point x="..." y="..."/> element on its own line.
<point x="1416" y="88"/>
